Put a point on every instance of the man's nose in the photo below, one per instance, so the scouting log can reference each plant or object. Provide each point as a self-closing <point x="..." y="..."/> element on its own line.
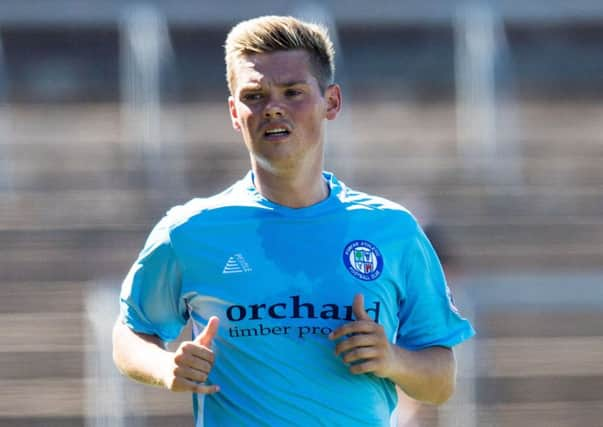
<point x="273" y="109"/>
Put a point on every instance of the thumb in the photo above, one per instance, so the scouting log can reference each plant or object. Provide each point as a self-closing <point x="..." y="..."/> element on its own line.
<point x="358" y="308"/>
<point x="209" y="332"/>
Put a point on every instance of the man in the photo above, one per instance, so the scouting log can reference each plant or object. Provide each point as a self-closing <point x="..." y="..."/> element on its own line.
<point x="309" y="301"/>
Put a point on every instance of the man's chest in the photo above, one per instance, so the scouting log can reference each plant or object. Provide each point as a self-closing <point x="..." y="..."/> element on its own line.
<point x="290" y="274"/>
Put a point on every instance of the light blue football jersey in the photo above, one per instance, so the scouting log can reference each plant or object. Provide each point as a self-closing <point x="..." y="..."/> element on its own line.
<point x="280" y="280"/>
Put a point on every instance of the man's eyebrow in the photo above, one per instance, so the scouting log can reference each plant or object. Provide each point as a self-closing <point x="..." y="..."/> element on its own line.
<point x="251" y="86"/>
<point x="292" y="83"/>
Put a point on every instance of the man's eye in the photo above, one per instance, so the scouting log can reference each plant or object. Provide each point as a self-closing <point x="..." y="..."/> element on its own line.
<point x="252" y="96"/>
<point x="293" y="92"/>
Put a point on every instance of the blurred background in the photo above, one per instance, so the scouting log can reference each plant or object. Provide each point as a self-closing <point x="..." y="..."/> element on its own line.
<point x="483" y="118"/>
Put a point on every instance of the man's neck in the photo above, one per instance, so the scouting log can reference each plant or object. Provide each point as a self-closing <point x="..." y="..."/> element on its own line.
<point x="294" y="190"/>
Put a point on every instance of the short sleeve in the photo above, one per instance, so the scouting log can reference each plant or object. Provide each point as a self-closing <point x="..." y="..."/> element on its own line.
<point x="150" y="300"/>
<point x="427" y="313"/>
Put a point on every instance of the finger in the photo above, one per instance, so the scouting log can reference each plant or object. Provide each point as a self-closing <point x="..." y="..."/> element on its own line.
<point x="356" y="341"/>
<point x="192" y="351"/>
<point x="358" y="327"/>
<point x="358" y="308"/>
<point x="193" y="362"/>
<point x="206" y="389"/>
<point x="209" y="332"/>
<point x="182" y="384"/>
<point x="200" y="364"/>
<point x="190" y="374"/>
<point x="364" y="367"/>
<point x="363" y="353"/>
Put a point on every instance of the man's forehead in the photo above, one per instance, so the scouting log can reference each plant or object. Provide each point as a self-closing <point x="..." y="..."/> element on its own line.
<point x="258" y="79"/>
<point x="281" y="68"/>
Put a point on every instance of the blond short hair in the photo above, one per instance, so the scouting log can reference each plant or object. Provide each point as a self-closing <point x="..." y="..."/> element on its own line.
<point x="277" y="33"/>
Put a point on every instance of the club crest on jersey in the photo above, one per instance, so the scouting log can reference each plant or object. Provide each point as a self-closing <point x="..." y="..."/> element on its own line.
<point x="363" y="260"/>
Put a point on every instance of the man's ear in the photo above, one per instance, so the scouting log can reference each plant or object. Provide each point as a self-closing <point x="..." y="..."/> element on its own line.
<point x="333" y="97"/>
<point x="234" y="116"/>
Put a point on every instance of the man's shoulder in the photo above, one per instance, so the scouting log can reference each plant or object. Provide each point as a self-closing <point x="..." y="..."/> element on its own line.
<point x="220" y="205"/>
<point x="355" y="200"/>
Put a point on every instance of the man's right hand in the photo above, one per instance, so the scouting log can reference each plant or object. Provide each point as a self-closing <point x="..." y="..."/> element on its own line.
<point x="189" y="366"/>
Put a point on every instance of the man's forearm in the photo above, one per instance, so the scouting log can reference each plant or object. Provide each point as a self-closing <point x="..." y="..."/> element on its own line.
<point x="139" y="356"/>
<point x="427" y="375"/>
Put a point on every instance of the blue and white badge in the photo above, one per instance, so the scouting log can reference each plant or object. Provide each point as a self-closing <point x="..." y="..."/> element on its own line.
<point x="363" y="260"/>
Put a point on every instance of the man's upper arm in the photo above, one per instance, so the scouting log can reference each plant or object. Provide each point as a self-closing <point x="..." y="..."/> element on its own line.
<point x="150" y="301"/>
<point x="427" y="315"/>
<point x="124" y="335"/>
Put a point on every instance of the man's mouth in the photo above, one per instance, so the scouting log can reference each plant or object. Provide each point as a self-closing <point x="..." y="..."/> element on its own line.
<point x="276" y="132"/>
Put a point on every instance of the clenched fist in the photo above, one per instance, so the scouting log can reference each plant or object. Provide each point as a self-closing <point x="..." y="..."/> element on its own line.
<point x="189" y="366"/>
<point x="362" y="344"/>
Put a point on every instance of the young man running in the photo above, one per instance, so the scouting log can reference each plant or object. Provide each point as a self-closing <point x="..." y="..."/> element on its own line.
<point x="309" y="301"/>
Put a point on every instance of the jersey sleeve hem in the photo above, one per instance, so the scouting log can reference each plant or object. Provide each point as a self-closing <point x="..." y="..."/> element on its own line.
<point x="451" y="340"/>
<point x="129" y="317"/>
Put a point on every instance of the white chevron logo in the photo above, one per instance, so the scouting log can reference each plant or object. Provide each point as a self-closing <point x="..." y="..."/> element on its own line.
<point x="236" y="264"/>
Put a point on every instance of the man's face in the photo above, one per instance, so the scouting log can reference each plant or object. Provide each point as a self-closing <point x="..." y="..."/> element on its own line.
<point x="279" y="109"/>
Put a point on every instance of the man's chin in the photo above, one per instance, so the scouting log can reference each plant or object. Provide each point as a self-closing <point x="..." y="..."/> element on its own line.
<point x="275" y="162"/>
